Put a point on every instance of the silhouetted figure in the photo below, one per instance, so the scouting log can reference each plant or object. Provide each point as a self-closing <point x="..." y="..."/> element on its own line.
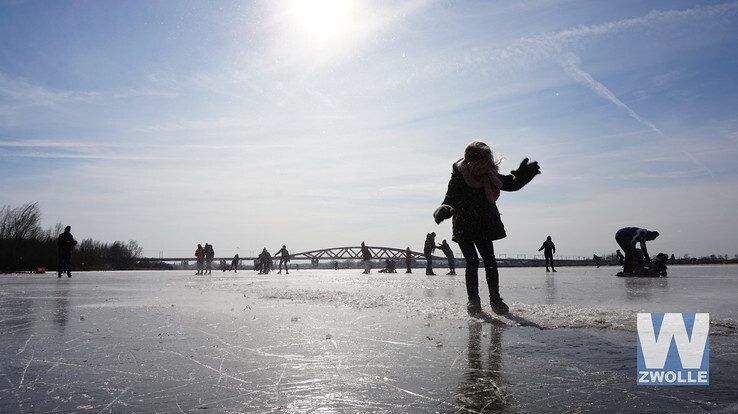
<point x="620" y="257"/>
<point x="366" y="256"/>
<point x="223" y="265"/>
<point x="471" y="197"/>
<point x="428" y="248"/>
<point x="209" y="256"/>
<point x="234" y="263"/>
<point x="284" y="258"/>
<point x="265" y="259"/>
<point x="335" y="265"/>
<point x="549" y="248"/>
<point x="597" y="260"/>
<point x="66" y="244"/>
<point x="200" y="256"/>
<point x="627" y="239"/>
<point x="408" y="260"/>
<point x="446" y="249"/>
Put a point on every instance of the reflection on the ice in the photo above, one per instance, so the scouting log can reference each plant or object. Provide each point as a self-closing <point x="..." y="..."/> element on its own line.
<point x="550" y="289"/>
<point x="61" y="306"/>
<point x="482" y="389"/>
<point x="639" y="289"/>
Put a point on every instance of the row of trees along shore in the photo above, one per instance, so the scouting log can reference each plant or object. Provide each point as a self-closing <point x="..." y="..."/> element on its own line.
<point x="25" y="246"/>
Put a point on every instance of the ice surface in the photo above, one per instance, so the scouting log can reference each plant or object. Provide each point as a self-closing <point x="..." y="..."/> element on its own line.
<point x="339" y="341"/>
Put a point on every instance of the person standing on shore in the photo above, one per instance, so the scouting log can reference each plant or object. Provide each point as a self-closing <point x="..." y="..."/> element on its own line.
<point x="627" y="238"/>
<point x="366" y="256"/>
<point x="408" y="260"/>
<point x="428" y="248"/>
<point x="446" y="249"/>
<point x="549" y="248"/>
<point x="66" y="244"/>
<point x="209" y="256"/>
<point x="471" y="197"/>
<point x="284" y="258"/>
<point x="200" y="256"/>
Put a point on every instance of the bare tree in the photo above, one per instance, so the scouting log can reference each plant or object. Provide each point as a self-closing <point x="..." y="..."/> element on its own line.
<point x="21" y="222"/>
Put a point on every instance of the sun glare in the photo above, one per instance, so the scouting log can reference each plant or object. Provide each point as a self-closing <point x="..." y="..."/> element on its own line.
<point x="323" y="19"/>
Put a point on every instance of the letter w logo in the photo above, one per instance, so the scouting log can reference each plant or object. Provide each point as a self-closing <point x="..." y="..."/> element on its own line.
<point x="655" y="345"/>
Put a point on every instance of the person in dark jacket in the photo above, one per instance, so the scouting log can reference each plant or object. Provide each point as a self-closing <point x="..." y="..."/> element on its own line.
<point x="446" y="249"/>
<point x="234" y="263"/>
<point x="209" y="256"/>
<point x="200" y="256"/>
<point x="549" y="248"/>
<point x="471" y="197"/>
<point x="620" y="257"/>
<point x="627" y="239"/>
<point x="597" y="260"/>
<point x="428" y="248"/>
<point x="65" y="243"/>
<point x="408" y="260"/>
<point x="284" y="259"/>
<point x="366" y="256"/>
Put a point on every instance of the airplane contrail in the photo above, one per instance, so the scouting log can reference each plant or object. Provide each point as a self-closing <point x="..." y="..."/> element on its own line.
<point x="570" y="63"/>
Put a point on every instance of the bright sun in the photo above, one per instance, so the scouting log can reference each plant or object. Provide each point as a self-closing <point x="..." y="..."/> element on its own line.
<point x="323" y="19"/>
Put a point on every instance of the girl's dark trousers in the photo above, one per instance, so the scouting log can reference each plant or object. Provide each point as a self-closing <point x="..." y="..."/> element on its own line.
<point x="487" y="251"/>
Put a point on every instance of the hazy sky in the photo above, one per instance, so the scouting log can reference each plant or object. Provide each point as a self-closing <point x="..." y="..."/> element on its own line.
<point x="322" y="124"/>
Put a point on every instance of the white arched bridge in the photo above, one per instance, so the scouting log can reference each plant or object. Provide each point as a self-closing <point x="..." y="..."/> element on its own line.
<point x="332" y="254"/>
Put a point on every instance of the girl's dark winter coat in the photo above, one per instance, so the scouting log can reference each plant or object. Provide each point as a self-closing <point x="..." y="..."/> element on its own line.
<point x="475" y="218"/>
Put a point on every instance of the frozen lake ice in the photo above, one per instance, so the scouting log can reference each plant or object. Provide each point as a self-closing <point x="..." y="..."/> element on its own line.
<point x="340" y="341"/>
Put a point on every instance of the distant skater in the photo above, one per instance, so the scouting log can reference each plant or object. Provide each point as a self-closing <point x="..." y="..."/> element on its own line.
<point x="428" y="248"/>
<point x="408" y="260"/>
<point x="234" y="263"/>
<point x="471" y="197"/>
<point x="284" y="258"/>
<point x="549" y="248"/>
<point x="620" y="257"/>
<point x="335" y="265"/>
<point x="66" y="244"/>
<point x="446" y="249"/>
<point x="627" y="239"/>
<point x="209" y="256"/>
<point x="366" y="256"/>
<point x="200" y="256"/>
<point x="597" y="260"/>
<point x="265" y="260"/>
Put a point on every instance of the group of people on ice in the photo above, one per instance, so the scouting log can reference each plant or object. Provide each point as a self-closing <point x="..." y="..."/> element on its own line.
<point x="264" y="262"/>
<point x="204" y="256"/>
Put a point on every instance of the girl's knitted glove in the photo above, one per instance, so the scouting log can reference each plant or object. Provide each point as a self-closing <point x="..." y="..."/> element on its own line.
<point x="526" y="171"/>
<point x="443" y="212"/>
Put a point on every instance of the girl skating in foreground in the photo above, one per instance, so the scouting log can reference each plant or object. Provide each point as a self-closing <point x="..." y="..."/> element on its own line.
<point x="471" y="200"/>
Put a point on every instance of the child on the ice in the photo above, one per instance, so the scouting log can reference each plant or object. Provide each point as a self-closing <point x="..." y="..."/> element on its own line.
<point x="470" y="199"/>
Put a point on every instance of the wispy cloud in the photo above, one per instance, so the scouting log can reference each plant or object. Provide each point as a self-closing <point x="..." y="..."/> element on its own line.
<point x="528" y="49"/>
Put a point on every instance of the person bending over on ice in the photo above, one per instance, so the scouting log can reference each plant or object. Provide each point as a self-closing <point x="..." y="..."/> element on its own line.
<point x="471" y="200"/>
<point x="627" y="239"/>
<point x="284" y="258"/>
<point x="549" y="248"/>
<point x="446" y="249"/>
